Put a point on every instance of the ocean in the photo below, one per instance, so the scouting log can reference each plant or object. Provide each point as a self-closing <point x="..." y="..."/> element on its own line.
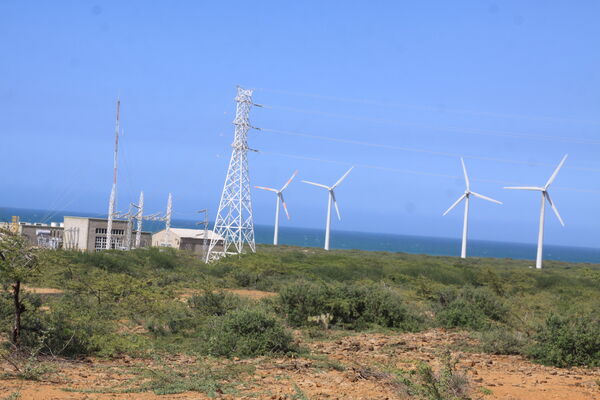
<point x="306" y="237"/>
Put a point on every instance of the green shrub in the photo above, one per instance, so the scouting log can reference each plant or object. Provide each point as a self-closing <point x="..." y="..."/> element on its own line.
<point x="162" y="258"/>
<point x="447" y="384"/>
<point x="353" y="306"/>
<point x="565" y="341"/>
<point x="214" y="303"/>
<point x="76" y="326"/>
<point x="303" y="299"/>
<point x="245" y="333"/>
<point x="469" y="307"/>
<point x="503" y="341"/>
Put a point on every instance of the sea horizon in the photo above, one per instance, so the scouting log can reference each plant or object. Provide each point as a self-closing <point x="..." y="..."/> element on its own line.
<point x="353" y="240"/>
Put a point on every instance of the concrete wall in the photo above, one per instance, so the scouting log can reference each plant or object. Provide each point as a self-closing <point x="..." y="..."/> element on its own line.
<point x="163" y="239"/>
<point x="92" y="228"/>
<point x="80" y="224"/>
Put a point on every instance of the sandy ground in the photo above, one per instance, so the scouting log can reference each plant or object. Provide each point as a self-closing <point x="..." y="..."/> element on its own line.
<point x="365" y="359"/>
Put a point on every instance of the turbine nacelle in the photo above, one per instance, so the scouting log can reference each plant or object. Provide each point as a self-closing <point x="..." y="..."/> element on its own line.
<point x="544" y="189"/>
<point x="279" y="192"/>
<point x="467" y="194"/>
<point x="331" y="189"/>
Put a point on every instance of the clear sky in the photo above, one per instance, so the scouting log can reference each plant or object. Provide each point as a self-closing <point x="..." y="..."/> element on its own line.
<point x="511" y="85"/>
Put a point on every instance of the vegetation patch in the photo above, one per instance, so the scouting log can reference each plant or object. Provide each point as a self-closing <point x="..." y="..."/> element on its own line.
<point x="245" y="333"/>
<point x="565" y="341"/>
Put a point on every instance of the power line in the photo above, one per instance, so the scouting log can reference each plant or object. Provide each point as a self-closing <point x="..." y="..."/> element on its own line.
<point x="413" y="172"/>
<point x="429" y="108"/>
<point x="478" y="132"/>
<point x="415" y="150"/>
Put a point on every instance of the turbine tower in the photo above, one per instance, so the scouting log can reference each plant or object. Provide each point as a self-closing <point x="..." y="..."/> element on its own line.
<point x="279" y="200"/>
<point x="466" y="197"/>
<point x="113" y="194"/>
<point x="330" y="200"/>
<point x="545" y="197"/>
<point x="234" y="222"/>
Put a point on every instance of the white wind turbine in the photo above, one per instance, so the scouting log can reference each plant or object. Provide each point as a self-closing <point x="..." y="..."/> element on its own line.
<point x="329" y="201"/>
<point x="279" y="199"/>
<point x="466" y="197"/>
<point x="545" y="196"/>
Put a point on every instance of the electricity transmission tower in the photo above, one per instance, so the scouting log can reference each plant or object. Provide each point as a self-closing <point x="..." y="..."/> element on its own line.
<point x="234" y="223"/>
<point x="140" y="217"/>
<point x="113" y="194"/>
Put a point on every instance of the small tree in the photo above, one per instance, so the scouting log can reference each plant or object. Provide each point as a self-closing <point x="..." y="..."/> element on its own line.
<point x="18" y="263"/>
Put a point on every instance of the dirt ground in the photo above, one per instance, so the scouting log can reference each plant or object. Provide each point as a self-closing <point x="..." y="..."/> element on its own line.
<point x="341" y="367"/>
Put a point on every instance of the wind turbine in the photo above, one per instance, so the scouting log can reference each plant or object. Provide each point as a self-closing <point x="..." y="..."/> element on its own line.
<point x="279" y="199"/>
<point x="466" y="197"/>
<point x="545" y="197"/>
<point x="329" y="201"/>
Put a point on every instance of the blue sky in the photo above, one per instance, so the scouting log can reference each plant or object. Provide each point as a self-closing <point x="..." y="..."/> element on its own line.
<point x="510" y="85"/>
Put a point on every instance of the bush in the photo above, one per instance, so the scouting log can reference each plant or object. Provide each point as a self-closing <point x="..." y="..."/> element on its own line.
<point x="353" y="306"/>
<point x="568" y="341"/>
<point x="503" y="341"/>
<point x="302" y="299"/>
<point x="469" y="307"/>
<point x="213" y="303"/>
<point x="76" y="326"/>
<point x="447" y="384"/>
<point x="245" y="333"/>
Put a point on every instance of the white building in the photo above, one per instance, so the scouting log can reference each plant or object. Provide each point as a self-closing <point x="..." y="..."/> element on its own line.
<point x="185" y="239"/>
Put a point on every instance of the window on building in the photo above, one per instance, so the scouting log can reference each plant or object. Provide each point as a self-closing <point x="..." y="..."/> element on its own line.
<point x="103" y="231"/>
<point x="100" y="243"/>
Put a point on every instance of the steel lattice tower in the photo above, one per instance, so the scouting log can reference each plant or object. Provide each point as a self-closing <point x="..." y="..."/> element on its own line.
<point x="234" y="222"/>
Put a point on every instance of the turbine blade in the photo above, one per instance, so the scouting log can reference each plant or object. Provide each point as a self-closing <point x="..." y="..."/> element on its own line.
<point x="284" y="205"/>
<point x="289" y="181"/>
<point x="266" y="188"/>
<point x="317" y="184"/>
<point x="539" y="189"/>
<point x="342" y="178"/>
<point x="486" y="198"/>
<point x="466" y="175"/>
<point x="337" y="210"/>
<point x="556" y="171"/>
<point x="455" y="204"/>
<point x="554" y="208"/>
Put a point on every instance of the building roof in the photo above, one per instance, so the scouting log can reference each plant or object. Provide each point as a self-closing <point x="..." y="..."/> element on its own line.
<point x="194" y="233"/>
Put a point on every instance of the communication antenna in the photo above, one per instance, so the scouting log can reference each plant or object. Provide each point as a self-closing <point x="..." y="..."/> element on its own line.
<point x="169" y="212"/>
<point x="234" y="222"/>
<point x="113" y="193"/>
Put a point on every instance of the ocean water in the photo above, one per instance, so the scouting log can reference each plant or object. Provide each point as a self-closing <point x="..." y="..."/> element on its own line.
<point x="306" y="237"/>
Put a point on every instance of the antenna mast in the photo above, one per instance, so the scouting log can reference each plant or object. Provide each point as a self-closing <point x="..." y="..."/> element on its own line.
<point x="169" y="212"/>
<point x="234" y="222"/>
<point x="113" y="194"/>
